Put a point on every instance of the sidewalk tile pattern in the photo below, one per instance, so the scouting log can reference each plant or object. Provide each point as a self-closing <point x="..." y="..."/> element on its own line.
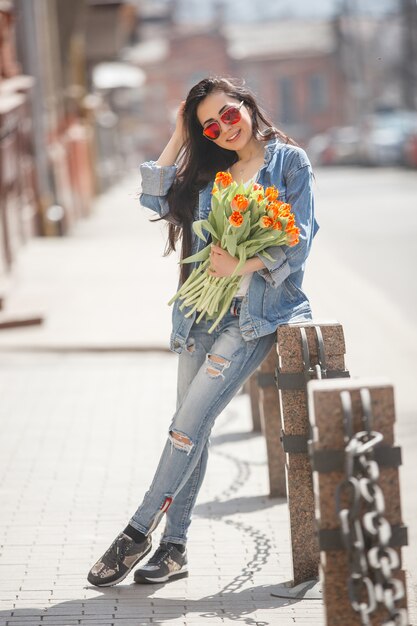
<point x="81" y="436"/>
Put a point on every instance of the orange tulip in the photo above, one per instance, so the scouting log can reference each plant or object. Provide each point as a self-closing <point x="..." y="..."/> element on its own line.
<point x="239" y="203"/>
<point x="274" y="207"/>
<point x="224" y="179"/>
<point x="293" y="236"/>
<point x="271" y="193"/>
<point x="290" y="223"/>
<point x="266" y="222"/>
<point x="285" y="209"/>
<point x="277" y="225"/>
<point x="236" y="219"/>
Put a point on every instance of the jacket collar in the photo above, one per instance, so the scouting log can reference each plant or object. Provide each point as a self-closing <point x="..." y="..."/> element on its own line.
<point x="270" y="148"/>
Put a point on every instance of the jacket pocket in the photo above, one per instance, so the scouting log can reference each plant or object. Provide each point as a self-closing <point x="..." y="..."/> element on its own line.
<point x="279" y="302"/>
<point x="292" y="292"/>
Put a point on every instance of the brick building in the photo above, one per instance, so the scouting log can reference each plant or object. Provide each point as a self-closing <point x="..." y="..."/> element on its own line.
<point x="19" y="201"/>
<point x="293" y="67"/>
<point x="174" y="59"/>
<point x="50" y="49"/>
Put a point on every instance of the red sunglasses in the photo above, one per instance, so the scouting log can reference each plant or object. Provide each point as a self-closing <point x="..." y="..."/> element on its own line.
<point x="230" y="116"/>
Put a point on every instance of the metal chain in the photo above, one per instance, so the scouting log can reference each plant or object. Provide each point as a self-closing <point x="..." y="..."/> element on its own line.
<point x="320" y="369"/>
<point x="366" y="532"/>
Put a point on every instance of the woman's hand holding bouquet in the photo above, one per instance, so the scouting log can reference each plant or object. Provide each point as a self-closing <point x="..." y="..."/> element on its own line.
<point x="243" y="220"/>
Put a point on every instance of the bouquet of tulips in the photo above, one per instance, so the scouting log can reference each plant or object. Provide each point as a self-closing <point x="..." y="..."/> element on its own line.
<point x="244" y="220"/>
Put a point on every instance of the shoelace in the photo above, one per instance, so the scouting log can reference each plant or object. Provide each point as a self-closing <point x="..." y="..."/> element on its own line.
<point x="117" y="551"/>
<point x="161" y="553"/>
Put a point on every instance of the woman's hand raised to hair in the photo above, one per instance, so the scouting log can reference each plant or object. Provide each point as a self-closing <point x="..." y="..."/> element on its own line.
<point x="173" y="148"/>
<point x="179" y="131"/>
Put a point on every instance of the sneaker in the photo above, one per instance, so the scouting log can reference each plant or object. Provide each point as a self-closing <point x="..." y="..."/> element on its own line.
<point x="168" y="563"/>
<point x="118" y="560"/>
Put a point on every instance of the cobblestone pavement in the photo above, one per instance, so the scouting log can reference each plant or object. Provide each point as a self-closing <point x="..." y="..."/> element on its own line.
<point x="80" y="440"/>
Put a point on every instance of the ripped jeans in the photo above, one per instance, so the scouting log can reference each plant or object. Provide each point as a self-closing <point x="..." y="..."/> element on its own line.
<point x="211" y="370"/>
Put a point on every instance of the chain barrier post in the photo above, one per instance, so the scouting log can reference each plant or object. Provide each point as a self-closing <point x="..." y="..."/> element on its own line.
<point x="270" y="413"/>
<point x="306" y="350"/>
<point x="357" y="495"/>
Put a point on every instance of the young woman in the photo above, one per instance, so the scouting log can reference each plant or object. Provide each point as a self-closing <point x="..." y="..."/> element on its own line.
<point x="219" y="127"/>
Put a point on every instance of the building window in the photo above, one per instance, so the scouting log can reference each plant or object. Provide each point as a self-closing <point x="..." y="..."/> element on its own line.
<point x="288" y="110"/>
<point x="318" y="95"/>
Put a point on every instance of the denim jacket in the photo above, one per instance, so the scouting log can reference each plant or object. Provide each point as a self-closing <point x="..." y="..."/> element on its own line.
<point x="274" y="296"/>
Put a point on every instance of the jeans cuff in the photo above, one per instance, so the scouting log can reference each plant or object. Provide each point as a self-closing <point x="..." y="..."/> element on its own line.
<point x="181" y="540"/>
<point x="139" y="527"/>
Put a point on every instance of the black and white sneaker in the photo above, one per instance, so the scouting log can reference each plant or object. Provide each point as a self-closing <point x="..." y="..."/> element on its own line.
<point x="168" y="563"/>
<point x="118" y="561"/>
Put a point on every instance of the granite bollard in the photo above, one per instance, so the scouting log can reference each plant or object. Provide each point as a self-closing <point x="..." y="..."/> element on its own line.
<point x="328" y="450"/>
<point x="270" y="413"/>
<point x="306" y="350"/>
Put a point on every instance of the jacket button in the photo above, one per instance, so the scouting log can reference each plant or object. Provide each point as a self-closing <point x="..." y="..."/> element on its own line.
<point x="176" y="344"/>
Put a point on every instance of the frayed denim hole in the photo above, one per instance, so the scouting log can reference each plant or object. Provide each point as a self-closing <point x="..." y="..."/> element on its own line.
<point x="215" y="365"/>
<point x="190" y="347"/>
<point x="180" y="441"/>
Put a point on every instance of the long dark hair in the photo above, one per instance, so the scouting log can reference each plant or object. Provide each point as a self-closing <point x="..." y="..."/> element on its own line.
<point x="201" y="159"/>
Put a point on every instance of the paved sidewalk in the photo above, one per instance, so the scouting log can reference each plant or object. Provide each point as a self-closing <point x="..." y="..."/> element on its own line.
<point x="106" y="285"/>
<point x="81" y="434"/>
<point x="80" y="442"/>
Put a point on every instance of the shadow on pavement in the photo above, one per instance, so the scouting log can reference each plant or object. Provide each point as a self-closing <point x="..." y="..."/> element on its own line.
<point x="130" y="604"/>
<point x="218" y="440"/>
<point x="134" y="604"/>
<point x="216" y="508"/>
<point x="237" y="600"/>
